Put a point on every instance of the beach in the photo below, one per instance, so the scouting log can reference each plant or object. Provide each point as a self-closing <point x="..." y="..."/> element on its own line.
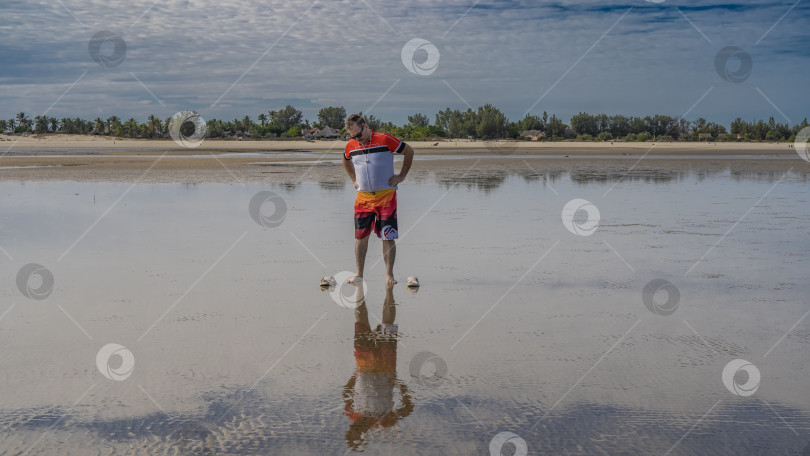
<point x="172" y="314"/>
<point x="102" y="159"/>
<point x="90" y="143"/>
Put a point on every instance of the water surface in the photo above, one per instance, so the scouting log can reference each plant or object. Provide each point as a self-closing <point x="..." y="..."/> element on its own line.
<point x="543" y="333"/>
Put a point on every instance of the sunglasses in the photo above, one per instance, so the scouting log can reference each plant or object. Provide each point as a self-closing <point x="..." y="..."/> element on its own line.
<point x="359" y="135"/>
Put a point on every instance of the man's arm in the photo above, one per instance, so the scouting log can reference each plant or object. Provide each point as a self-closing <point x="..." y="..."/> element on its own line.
<point x="349" y="167"/>
<point x="406" y="166"/>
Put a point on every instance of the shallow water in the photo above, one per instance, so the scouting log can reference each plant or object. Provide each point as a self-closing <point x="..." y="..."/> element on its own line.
<point x="543" y="333"/>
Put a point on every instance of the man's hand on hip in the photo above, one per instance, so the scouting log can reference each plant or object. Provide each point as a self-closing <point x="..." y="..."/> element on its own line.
<point x="395" y="180"/>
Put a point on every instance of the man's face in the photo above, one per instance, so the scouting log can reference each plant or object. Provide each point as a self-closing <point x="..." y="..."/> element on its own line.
<point x="357" y="131"/>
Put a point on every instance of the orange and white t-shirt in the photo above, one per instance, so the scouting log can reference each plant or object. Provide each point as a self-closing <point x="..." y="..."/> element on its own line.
<point x="373" y="160"/>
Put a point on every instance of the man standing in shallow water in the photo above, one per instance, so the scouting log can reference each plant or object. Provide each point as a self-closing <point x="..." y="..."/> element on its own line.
<point x="369" y="162"/>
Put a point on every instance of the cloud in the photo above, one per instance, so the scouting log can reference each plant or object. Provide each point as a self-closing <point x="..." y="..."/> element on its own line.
<point x="254" y="55"/>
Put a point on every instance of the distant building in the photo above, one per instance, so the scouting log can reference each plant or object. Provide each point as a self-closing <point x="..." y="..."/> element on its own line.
<point x="704" y="136"/>
<point x="308" y="133"/>
<point x="327" y="132"/>
<point x="534" y="135"/>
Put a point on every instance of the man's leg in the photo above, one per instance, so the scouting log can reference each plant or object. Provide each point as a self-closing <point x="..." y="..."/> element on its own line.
<point x="388" y="221"/>
<point x="360" y="249"/>
<point x="364" y="219"/>
<point x="389" y="255"/>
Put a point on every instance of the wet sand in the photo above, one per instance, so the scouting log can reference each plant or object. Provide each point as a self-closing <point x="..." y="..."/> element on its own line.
<point x="290" y="171"/>
<point x="11" y="145"/>
<point x="544" y="333"/>
<point x="99" y="159"/>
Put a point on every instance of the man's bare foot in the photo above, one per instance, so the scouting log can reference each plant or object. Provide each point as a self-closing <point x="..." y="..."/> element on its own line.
<point x="355" y="279"/>
<point x="390" y="280"/>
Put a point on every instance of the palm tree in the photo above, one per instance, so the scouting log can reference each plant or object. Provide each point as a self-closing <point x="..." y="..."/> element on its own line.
<point x="41" y="124"/>
<point x="263" y="119"/>
<point x="113" y="123"/>
<point x="67" y="125"/>
<point x="154" y="126"/>
<point x="131" y="126"/>
<point x="215" y="128"/>
<point x="23" y="120"/>
<point x="54" y="124"/>
<point x="12" y="124"/>
<point x="80" y="126"/>
<point x="98" y="125"/>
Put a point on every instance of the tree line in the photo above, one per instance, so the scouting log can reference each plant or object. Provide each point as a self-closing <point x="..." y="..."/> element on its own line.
<point x="486" y="122"/>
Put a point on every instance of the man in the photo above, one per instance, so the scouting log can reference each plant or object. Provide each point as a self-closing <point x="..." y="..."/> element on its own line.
<point x="369" y="162"/>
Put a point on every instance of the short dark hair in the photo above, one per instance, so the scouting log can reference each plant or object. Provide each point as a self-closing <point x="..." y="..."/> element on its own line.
<point x="355" y="119"/>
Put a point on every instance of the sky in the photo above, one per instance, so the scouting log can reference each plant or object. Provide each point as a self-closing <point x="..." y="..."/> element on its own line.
<point x="227" y="59"/>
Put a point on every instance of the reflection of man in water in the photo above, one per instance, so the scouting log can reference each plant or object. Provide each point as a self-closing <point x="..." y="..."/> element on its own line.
<point x="369" y="394"/>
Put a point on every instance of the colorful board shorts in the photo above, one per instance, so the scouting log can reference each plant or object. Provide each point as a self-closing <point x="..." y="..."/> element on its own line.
<point x="376" y="211"/>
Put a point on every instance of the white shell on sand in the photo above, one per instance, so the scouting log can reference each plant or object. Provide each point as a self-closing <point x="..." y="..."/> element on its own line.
<point x="413" y="282"/>
<point x="328" y="281"/>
